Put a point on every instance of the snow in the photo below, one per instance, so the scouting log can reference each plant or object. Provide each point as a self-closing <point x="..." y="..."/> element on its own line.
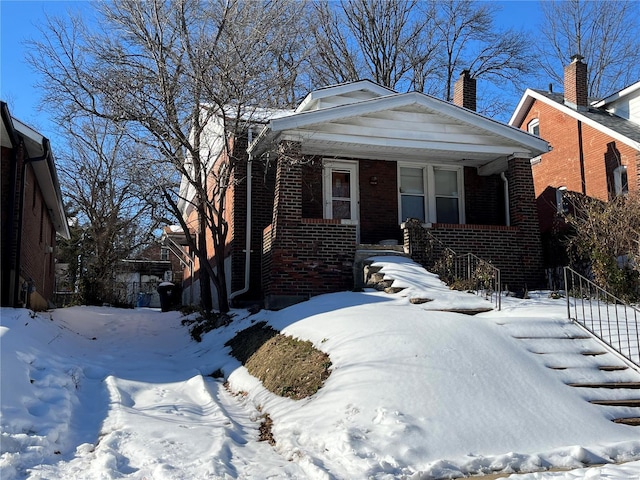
<point x="415" y="392"/>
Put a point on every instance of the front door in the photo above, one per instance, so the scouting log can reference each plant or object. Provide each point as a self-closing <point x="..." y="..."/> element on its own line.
<point x="341" y="191"/>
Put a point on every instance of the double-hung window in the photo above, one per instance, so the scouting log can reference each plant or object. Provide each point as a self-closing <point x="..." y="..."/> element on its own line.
<point x="431" y="194"/>
<point x="413" y="201"/>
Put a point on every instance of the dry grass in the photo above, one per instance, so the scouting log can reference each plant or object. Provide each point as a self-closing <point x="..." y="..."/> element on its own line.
<point x="286" y="366"/>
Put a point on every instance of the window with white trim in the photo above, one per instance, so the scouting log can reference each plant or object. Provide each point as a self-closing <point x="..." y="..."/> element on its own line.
<point x="533" y="127"/>
<point x="431" y="194"/>
<point x="413" y="201"/>
<point x="621" y="180"/>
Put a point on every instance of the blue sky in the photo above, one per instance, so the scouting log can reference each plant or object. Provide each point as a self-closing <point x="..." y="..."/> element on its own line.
<point x="19" y="20"/>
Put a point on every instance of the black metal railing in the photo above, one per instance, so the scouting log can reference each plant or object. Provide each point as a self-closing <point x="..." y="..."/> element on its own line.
<point x="471" y="273"/>
<point x="482" y="276"/>
<point x="604" y="315"/>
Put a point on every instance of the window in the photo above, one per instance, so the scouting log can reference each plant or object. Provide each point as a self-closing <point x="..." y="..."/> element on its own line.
<point x="412" y="193"/>
<point x="341" y="190"/>
<point x="534" y="127"/>
<point x="431" y="194"/>
<point x="446" y="195"/>
<point x="561" y="205"/>
<point x="164" y="254"/>
<point x="621" y="180"/>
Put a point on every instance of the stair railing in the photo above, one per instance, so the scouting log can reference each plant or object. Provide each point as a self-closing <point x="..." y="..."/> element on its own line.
<point x="604" y="315"/>
<point x="481" y="276"/>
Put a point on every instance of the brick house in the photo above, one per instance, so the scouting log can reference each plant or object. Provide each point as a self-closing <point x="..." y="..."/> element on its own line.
<point x="595" y="144"/>
<point x="32" y="215"/>
<point x="351" y="164"/>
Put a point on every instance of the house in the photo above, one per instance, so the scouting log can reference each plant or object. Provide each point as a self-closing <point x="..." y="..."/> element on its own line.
<point x="137" y="279"/>
<point x="336" y="180"/>
<point x="595" y="144"/>
<point x="32" y="215"/>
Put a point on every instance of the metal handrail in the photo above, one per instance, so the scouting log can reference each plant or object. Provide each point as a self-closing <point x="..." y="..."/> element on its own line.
<point x="484" y="276"/>
<point x="607" y="317"/>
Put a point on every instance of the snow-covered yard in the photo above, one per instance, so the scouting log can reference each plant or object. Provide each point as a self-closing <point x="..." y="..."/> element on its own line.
<point x="415" y="392"/>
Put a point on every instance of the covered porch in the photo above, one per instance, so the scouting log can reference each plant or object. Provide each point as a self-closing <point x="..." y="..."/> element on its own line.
<point x="356" y="161"/>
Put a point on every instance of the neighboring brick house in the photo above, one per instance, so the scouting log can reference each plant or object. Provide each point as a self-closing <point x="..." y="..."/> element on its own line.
<point x="32" y="215"/>
<point x="353" y="163"/>
<point x="595" y="144"/>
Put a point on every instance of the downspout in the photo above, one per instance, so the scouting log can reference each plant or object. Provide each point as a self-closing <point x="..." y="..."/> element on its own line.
<point x="581" y="158"/>
<point x="247" y="246"/>
<point x="507" y="215"/>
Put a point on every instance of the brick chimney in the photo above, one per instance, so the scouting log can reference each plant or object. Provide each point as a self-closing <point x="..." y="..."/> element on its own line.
<point x="464" y="91"/>
<point x="575" y="84"/>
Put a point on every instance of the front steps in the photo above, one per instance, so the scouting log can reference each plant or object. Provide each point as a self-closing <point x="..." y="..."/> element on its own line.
<point x="584" y="363"/>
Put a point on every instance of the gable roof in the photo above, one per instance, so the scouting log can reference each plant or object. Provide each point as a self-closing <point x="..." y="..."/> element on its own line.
<point x="616" y="127"/>
<point x="365" y="120"/>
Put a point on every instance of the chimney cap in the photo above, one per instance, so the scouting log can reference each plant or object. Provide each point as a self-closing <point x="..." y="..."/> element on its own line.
<point x="577" y="58"/>
<point x="465" y="73"/>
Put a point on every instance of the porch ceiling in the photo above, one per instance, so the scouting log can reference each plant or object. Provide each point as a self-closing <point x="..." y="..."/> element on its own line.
<point x="406" y="127"/>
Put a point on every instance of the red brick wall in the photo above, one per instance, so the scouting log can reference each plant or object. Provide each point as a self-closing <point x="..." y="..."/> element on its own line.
<point x="484" y="198"/>
<point x="38" y="237"/>
<point x="515" y="250"/>
<point x="561" y="166"/>
<point x="303" y="257"/>
<point x="378" y="189"/>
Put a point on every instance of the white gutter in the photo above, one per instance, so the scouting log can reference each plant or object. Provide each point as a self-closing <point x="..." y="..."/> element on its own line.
<point x="507" y="215"/>
<point x="247" y="247"/>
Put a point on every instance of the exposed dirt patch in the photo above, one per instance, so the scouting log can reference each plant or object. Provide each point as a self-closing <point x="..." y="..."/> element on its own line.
<point x="265" y="430"/>
<point x="286" y="366"/>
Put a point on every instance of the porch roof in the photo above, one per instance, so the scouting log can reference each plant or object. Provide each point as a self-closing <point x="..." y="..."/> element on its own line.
<point x="362" y="120"/>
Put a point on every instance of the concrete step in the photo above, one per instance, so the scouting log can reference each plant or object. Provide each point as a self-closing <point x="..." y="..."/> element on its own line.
<point x="631" y="402"/>
<point x="609" y="385"/>
<point x="633" y="421"/>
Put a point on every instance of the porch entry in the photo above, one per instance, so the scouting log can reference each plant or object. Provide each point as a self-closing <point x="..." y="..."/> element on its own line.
<point x="341" y="197"/>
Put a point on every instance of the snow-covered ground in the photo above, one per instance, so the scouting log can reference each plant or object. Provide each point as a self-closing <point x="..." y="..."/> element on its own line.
<point x="415" y="392"/>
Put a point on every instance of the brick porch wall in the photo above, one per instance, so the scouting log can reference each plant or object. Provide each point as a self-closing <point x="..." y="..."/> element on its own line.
<point x="303" y="257"/>
<point x="516" y="250"/>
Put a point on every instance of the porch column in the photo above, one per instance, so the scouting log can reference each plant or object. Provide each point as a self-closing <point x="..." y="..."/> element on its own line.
<point x="524" y="216"/>
<point x="287" y="206"/>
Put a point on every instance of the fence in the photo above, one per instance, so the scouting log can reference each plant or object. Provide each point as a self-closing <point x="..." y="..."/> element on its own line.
<point x="604" y="315"/>
<point x="472" y="273"/>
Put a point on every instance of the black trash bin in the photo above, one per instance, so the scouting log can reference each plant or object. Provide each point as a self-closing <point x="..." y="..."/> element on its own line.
<point x="166" y="292"/>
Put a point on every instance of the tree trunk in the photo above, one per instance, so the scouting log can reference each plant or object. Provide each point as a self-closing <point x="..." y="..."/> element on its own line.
<point x="206" y="301"/>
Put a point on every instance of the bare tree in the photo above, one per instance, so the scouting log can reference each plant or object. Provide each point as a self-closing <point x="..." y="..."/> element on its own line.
<point x="607" y="236"/>
<point x="605" y="33"/>
<point x="416" y="45"/>
<point x="471" y="40"/>
<point x="163" y="70"/>
<point x="107" y="200"/>
<point x="380" y="40"/>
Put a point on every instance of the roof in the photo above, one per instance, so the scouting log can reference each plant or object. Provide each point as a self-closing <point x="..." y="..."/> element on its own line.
<point x="41" y="158"/>
<point x="617" y="127"/>
<point x="365" y="120"/>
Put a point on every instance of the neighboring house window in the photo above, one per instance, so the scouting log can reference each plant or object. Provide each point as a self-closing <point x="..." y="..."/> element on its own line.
<point x="534" y="129"/>
<point x="164" y="254"/>
<point x="431" y="194"/>
<point x="561" y="206"/>
<point x="621" y="180"/>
